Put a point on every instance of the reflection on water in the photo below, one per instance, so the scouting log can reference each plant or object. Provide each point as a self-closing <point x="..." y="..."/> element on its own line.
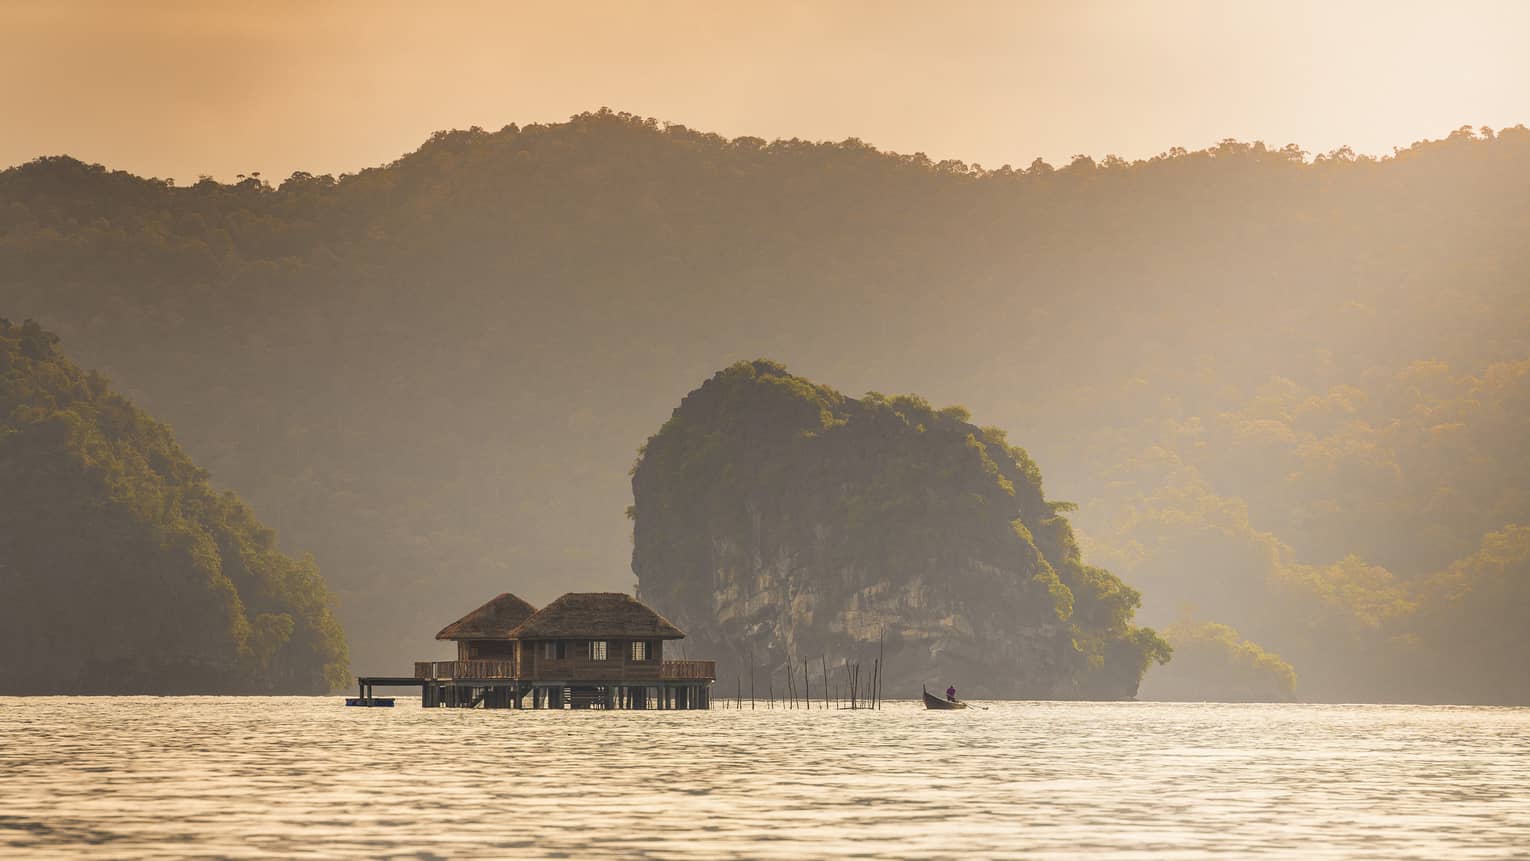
<point x="303" y="777"/>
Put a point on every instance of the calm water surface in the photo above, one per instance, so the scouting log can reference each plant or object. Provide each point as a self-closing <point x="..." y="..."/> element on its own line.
<point x="135" y="777"/>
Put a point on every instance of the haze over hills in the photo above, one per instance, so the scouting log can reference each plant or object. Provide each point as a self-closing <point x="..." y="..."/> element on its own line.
<point x="1290" y="393"/>
<point x="121" y="570"/>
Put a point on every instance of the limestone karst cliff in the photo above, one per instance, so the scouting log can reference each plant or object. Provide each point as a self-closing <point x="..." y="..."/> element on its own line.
<point x="775" y="519"/>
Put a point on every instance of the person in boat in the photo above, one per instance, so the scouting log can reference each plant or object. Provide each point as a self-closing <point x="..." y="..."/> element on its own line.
<point x="951" y="694"/>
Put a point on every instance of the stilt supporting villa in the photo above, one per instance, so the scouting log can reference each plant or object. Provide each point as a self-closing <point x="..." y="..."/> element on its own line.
<point x="586" y="650"/>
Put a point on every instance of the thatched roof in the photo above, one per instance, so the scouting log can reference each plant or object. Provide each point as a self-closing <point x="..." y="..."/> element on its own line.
<point x="597" y="614"/>
<point x="493" y="621"/>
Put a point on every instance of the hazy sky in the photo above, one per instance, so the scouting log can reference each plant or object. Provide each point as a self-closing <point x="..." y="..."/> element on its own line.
<point x="179" y="89"/>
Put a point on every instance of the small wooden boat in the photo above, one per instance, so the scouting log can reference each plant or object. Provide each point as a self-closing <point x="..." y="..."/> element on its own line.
<point x="933" y="702"/>
<point x="370" y="702"/>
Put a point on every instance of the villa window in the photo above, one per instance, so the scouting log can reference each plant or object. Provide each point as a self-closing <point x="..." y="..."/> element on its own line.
<point x="597" y="650"/>
<point x="639" y="650"/>
<point x="552" y="650"/>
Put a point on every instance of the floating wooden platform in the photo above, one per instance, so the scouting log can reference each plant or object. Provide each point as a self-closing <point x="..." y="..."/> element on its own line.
<point x="511" y="693"/>
<point x="370" y="702"/>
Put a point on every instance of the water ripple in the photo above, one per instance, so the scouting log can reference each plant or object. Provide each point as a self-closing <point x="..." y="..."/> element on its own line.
<point x="149" y="777"/>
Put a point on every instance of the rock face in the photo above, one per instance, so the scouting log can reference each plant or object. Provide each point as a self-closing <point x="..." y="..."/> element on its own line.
<point x="775" y="520"/>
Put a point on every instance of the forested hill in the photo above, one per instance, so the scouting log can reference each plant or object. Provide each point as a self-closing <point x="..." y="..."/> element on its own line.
<point x="121" y="571"/>
<point x="775" y="519"/>
<point x="1246" y="363"/>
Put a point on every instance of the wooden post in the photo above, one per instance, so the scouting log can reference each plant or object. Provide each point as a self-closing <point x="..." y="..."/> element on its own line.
<point x="875" y="679"/>
<point x="825" y="661"/>
<point x="881" y="667"/>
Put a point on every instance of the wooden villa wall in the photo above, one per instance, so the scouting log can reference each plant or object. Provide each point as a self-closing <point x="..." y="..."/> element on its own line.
<point x="577" y="664"/>
<point x="485" y="650"/>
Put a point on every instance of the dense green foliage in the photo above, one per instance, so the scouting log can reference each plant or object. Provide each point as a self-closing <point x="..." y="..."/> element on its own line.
<point x="1213" y="663"/>
<point x="1247" y="363"/>
<point x="884" y="506"/>
<point x="121" y="570"/>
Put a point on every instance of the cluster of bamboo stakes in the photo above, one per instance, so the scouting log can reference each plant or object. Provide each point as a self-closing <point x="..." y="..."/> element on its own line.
<point x="845" y="688"/>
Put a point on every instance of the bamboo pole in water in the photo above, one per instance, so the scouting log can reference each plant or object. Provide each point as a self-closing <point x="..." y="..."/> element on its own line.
<point x="807" y="686"/>
<point x="881" y="667"/>
<point x="825" y="680"/>
<point x="876" y="679"/>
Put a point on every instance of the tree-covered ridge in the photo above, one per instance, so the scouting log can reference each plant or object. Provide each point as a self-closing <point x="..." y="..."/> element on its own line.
<point x="1213" y="662"/>
<point x="1384" y="487"/>
<point x="428" y="373"/>
<point x="121" y="569"/>
<point x="884" y="507"/>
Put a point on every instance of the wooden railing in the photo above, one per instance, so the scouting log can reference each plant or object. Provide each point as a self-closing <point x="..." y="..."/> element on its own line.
<point x="670" y="670"/>
<point x="706" y="670"/>
<point x="464" y="669"/>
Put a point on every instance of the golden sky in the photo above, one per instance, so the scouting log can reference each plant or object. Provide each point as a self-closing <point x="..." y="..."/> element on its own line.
<point x="178" y="89"/>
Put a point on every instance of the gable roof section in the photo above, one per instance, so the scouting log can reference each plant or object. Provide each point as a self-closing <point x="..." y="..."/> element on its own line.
<point x="597" y="614"/>
<point x="493" y="621"/>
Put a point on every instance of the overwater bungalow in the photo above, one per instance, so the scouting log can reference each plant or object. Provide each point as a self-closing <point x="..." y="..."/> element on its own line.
<point x="602" y="650"/>
<point x="484" y="634"/>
